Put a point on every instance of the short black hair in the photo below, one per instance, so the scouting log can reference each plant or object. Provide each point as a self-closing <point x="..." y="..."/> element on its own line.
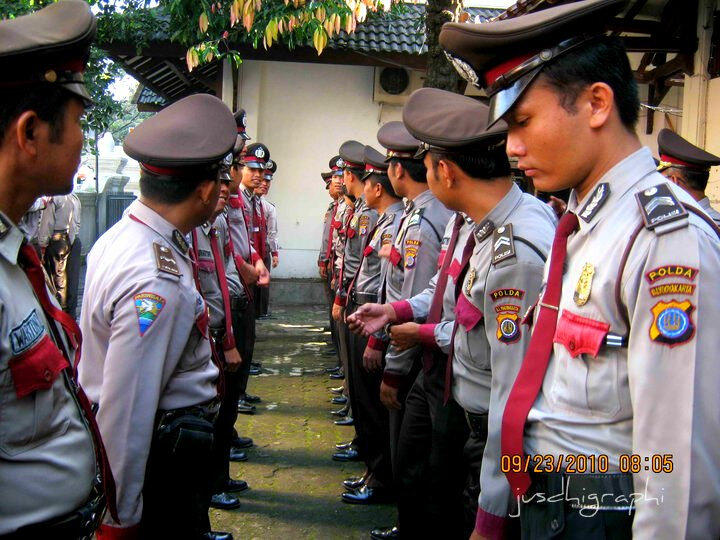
<point x="49" y="101"/>
<point x="414" y="167"/>
<point x="167" y="189"/>
<point x="602" y="59"/>
<point x="384" y="181"/>
<point x="695" y="179"/>
<point x="488" y="160"/>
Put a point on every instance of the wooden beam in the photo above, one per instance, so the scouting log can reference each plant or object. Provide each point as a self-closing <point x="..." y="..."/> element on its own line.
<point x="659" y="44"/>
<point x="681" y="62"/>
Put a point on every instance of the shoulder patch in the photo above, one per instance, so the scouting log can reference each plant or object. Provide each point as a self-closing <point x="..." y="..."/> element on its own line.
<point x="503" y="244"/>
<point x="147" y="306"/>
<point x="672" y="323"/>
<point x="659" y="206"/>
<point x="27" y="333"/>
<point x="595" y="202"/>
<point x="416" y="217"/>
<point x="165" y="259"/>
<point x="179" y="241"/>
<point x="483" y="230"/>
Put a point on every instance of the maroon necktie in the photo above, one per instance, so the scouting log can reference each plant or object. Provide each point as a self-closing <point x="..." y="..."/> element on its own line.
<point x="466" y="254"/>
<point x="222" y="281"/>
<point x="436" y="304"/>
<point x="532" y="372"/>
<point x="328" y="249"/>
<point x="31" y="266"/>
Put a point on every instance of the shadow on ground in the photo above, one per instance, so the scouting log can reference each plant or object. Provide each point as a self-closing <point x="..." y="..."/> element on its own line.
<point x="295" y="486"/>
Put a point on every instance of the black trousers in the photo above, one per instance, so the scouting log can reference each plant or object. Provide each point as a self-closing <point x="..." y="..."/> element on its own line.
<point x="330" y="294"/>
<point x="56" y="258"/>
<point x="474" y="448"/>
<point x="245" y="320"/>
<point x="431" y="469"/>
<point x="176" y="492"/>
<point x="371" y="417"/>
<point x="73" y="276"/>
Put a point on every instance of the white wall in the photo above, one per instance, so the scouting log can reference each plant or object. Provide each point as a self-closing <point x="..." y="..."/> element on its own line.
<point x="303" y="112"/>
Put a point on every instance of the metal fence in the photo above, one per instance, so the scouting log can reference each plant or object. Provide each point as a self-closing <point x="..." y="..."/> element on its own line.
<point x="116" y="205"/>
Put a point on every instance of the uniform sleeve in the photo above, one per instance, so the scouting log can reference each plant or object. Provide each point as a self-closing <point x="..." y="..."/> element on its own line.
<point x="136" y="369"/>
<point x="327" y="231"/>
<point x="674" y="376"/>
<point x="47" y="224"/>
<point x="272" y="230"/>
<point x="421" y="250"/>
<point x="508" y="340"/>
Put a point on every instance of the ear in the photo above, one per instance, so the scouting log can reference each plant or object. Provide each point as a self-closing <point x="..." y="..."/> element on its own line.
<point x="446" y="173"/>
<point x="205" y="190"/>
<point x="601" y="100"/>
<point x="27" y="131"/>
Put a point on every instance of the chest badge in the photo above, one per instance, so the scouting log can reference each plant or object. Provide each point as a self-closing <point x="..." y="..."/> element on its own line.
<point x="470" y="280"/>
<point x="584" y="284"/>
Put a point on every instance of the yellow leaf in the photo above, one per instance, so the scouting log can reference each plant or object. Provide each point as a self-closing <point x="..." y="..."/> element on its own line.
<point x="209" y="56"/>
<point x="337" y="23"/>
<point x="188" y="59"/>
<point x="203" y="22"/>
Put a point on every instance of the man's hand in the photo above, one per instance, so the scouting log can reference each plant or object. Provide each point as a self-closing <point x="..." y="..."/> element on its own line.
<point x="337" y="312"/>
<point x="477" y="536"/>
<point x="388" y="396"/>
<point x="370" y="318"/>
<point x="248" y="273"/>
<point x="233" y="360"/>
<point x="372" y="359"/>
<point x="385" y="251"/>
<point x="275" y="261"/>
<point x="263" y="274"/>
<point x="403" y="336"/>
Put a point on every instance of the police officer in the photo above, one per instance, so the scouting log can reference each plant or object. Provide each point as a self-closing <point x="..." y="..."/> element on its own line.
<point x="619" y="367"/>
<point x="213" y="281"/>
<point x="687" y="166"/>
<point x="365" y="366"/>
<point x="52" y="464"/>
<point x="147" y="363"/>
<point x="268" y="224"/>
<point x="59" y="228"/>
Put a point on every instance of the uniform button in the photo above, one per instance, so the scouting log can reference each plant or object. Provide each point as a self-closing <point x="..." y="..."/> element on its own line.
<point x="47" y="375"/>
<point x="554" y="524"/>
<point x="572" y="345"/>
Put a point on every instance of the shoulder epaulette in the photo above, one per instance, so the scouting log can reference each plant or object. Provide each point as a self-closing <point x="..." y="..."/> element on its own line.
<point x="416" y="217"/>
<point x="661" y="211"/>
<point x="503" y="243"/>
<point x="165" y="259"/>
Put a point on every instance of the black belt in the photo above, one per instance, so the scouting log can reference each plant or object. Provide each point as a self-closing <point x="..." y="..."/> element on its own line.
<point x="218" y="334"/>
<point x="360" y="298"/>
<point x="609" y="491"/>
<point x="79" y="524"/>
<point x="207" y="411"/>
<point x="478" y="424"/>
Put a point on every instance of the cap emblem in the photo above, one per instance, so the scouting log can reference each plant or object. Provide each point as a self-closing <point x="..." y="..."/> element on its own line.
<point x="340" y="163"/>
<point x="260" y="153"/>
<point x="465" y="70"/>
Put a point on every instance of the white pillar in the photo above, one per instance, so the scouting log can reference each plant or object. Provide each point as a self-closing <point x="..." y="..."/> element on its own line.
<point x="249" y="92"/>
<point x="227" y="83"/>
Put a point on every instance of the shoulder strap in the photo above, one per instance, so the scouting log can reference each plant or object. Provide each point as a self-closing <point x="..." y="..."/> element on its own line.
<point x="503" y="243"/>
<point x="537" y="250"/>
<point x="426" y="220"/>
<point x="660" y="209"/>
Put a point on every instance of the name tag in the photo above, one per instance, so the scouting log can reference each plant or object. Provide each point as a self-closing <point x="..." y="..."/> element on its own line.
<point x="256" y="229"/>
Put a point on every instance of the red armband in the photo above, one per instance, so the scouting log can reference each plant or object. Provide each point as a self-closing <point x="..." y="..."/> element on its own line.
<point x="393" y="380"/>
<point x="489" y="525"/>
<point x="340" y="300"/>
<point x="376" y="344"/>
<point x="426" y="334"/>
<point x="403" y="311"/>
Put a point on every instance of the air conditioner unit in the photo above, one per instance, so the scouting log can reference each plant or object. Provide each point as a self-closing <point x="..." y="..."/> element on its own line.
<point x="394" y="85"/>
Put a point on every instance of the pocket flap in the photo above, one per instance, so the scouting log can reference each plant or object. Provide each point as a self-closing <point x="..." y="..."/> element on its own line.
<point x="580" y="335"/>
<point x="37" y="368"/>
<point x="467" y="314"/>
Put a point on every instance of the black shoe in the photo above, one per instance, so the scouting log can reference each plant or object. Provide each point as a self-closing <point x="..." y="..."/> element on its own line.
<point x="344" y="446"/>
<point x="366" y="495"/>
<point x="254" y="371"/>
<point x="252" y="399"/>
<point x="354" y="483"/>
<point x="339" y="400"/>
<point x="224" y="501"/>
<point x="237" y="455"/>
<point x="385" y="533"/>
<point x="217" y="535"/>
<point x="342" y="413"/>
<point x="332" y="369"/>
<point x="337" y="391"/>
<point x="245" y="408"/>
<point x="347" y="421"/>
<point x="256" y="364"/>
<point x="338" y="376"/>
<point x="346" y="455"/>
<point x="241" y="442"/>
<point x="236" y="486"/>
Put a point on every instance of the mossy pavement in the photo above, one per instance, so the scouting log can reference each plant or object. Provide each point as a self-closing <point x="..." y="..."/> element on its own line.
<point x="294" y="485"/>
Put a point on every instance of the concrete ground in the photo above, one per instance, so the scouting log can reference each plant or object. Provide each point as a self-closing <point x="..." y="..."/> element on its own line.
<point x="294" y="485"/>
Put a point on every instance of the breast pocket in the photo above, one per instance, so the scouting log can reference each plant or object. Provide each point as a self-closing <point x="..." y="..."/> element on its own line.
<point x="470" y="318"/>
<point x="588" y="375"/>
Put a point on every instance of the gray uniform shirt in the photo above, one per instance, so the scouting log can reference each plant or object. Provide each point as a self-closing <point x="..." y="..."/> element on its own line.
<point x="339" y="234"/>
<point x="413" y="263"/>
<point x="58" y="217"/>
<point x="30" y="222"/>
<point x="47" y="461"/>
<point x="358" y="230"/>
<point x="238" y="228"/>
<point x="373" y="266"/>
<point x="660" y="394"/>
<point x="271" y="221"/>
<point x="207" y="276"/>
<point x="323" y="255"/>
<point x="490" y="341"/>
<point x="145" y="348"/>
<point x="231" y="272"/>
<point x="704" y="203"/>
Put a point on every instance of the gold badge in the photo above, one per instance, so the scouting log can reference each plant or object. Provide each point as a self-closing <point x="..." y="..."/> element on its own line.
<point x="470" y="281"/>
<point x="584" y="284"/>
<point x="50" y="76"/>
